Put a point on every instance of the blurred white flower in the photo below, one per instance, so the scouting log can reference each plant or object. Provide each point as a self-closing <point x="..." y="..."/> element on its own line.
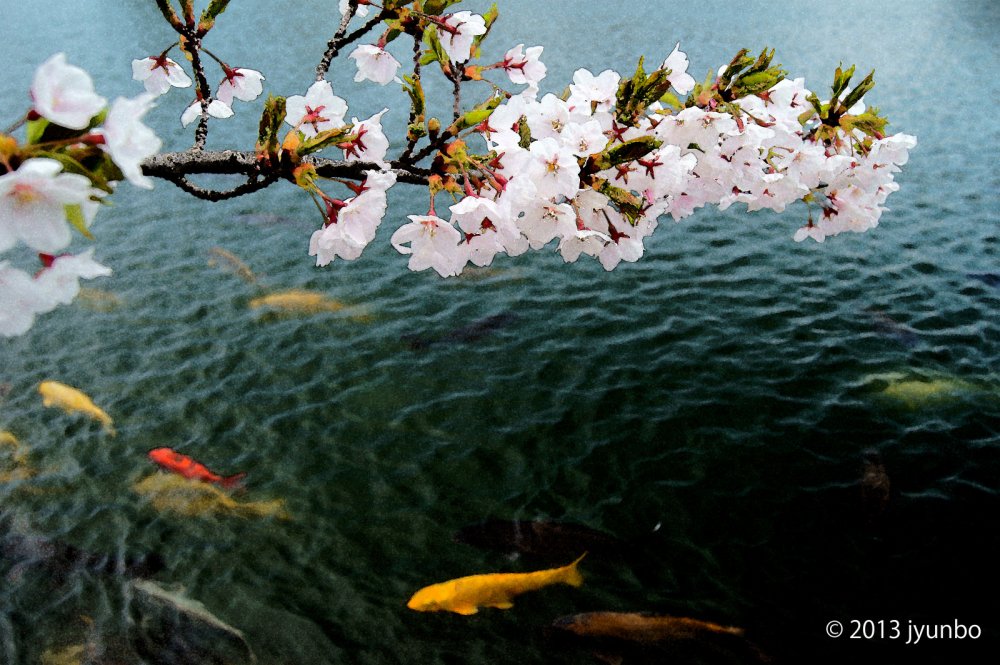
<point x="64" y="94"/>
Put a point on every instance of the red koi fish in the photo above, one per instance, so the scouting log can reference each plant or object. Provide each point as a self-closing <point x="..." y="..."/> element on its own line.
<point x="189" y="468"/>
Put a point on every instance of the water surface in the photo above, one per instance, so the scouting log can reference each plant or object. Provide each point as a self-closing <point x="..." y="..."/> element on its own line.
<point x="720" y="388"/>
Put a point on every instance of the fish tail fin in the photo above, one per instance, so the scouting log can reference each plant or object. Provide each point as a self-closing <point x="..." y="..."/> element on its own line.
<point x="235" y="480"/>
<point x="572" y="574"/>
<point x="109" y="426"/>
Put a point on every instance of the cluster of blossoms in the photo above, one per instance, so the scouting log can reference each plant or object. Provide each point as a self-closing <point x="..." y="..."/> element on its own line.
<point x="159" y="73"/>
<point x="70" y="127"/>
<point x="579" y="171"/>
<point x="590" y="171"/>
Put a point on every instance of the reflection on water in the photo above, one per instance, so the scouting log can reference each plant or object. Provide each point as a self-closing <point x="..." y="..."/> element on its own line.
<point x="728" y="412"/>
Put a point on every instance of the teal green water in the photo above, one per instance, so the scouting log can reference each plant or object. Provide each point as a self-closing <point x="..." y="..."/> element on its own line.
<point x="722" y="387"/>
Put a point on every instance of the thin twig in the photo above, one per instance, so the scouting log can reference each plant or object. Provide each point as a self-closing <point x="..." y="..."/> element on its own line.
<point x="456" y="81"/>
<point x="339" y="41"/>
<point x="412" y="143"/>
<point x="193" y="47"/>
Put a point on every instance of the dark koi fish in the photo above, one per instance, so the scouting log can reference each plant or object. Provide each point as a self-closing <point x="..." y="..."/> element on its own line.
<point x="539" y="538"/>
<point x="189" y="468"/>
<point x="648" y="637"/>
<point x="467" y="334"/>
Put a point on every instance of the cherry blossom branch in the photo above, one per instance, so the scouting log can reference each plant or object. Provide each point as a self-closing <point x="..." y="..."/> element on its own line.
<point x="339" y="41"/>
<point x="172" y="166"/>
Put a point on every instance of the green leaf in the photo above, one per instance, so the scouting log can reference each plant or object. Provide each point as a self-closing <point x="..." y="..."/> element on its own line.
<point x="74" y="215"/>
<point x="870" y="122"/>
<point x="35" y="129"/>
<point x="632" y="150"/>
<point x="524" y="132"/>
<point x="628" y="203"/>
<point x="207" y="20"/>
<point x="671" y="100"/>
<point x="435" y="7"/>
<point x="325" y="139"/>
<point x="435" y="51"/>
<point x="270" y="124"/>
<point x="415" y="89"/>
<point x="489" y="17"/>
<point x="476" y="116"/>
<point x="863" y="88"/>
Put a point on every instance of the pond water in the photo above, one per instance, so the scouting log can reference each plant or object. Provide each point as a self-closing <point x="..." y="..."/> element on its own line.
<point x="716" y="407"/>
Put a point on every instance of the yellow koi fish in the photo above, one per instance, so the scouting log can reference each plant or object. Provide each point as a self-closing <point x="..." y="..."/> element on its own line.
<point x="297" y="301"/>
<point x="169" y="492"/>
<point x="72" y="400"/>
<point x="466" y="595"/>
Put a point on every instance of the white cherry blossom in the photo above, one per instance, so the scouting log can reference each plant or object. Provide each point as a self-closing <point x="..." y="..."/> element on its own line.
<point x="371" y="144"/>
<point x="240" y="83"/>
<point x="33" y="200"/>
<point x="599" y="91"/>
<point x="317" y="111"/>
<point x="216" y="108"/>
<point x="128" y="140"/>
<point x="159" y="73"/>
<point x="462" y="28"/>
<point x="524" y="66"/>
<point x="433" y="243"/>
<point x="64" y="94"/>
<point x="23" y="297"/>
<point x="374" y="64"/>
<point x="677" y="63"/>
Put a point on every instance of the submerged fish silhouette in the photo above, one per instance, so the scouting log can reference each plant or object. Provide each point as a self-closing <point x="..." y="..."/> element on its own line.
<point x="890" y="327"/>
<point x="223" y="258"/>
<point x="988" y="278"/>
<point x="193" y="498"/>
<point x="914" y="391"/>
<point x="471" y="332"/>
<point x="875" y="485"/>
<point x="640" y="634"/>
<point x="14" y="463"/>
<point x="466" y="595"/>
<point x="72" y="400"/>
<point x="539" y="538"/>
<point x="297" y="302"/>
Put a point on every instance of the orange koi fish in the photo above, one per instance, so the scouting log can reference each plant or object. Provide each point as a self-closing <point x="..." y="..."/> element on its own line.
<point x="466" y="595"/>
<point x="174" y="461"/>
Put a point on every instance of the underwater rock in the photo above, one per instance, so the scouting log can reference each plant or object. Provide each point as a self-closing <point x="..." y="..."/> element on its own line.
<point x="22" y="549"/>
